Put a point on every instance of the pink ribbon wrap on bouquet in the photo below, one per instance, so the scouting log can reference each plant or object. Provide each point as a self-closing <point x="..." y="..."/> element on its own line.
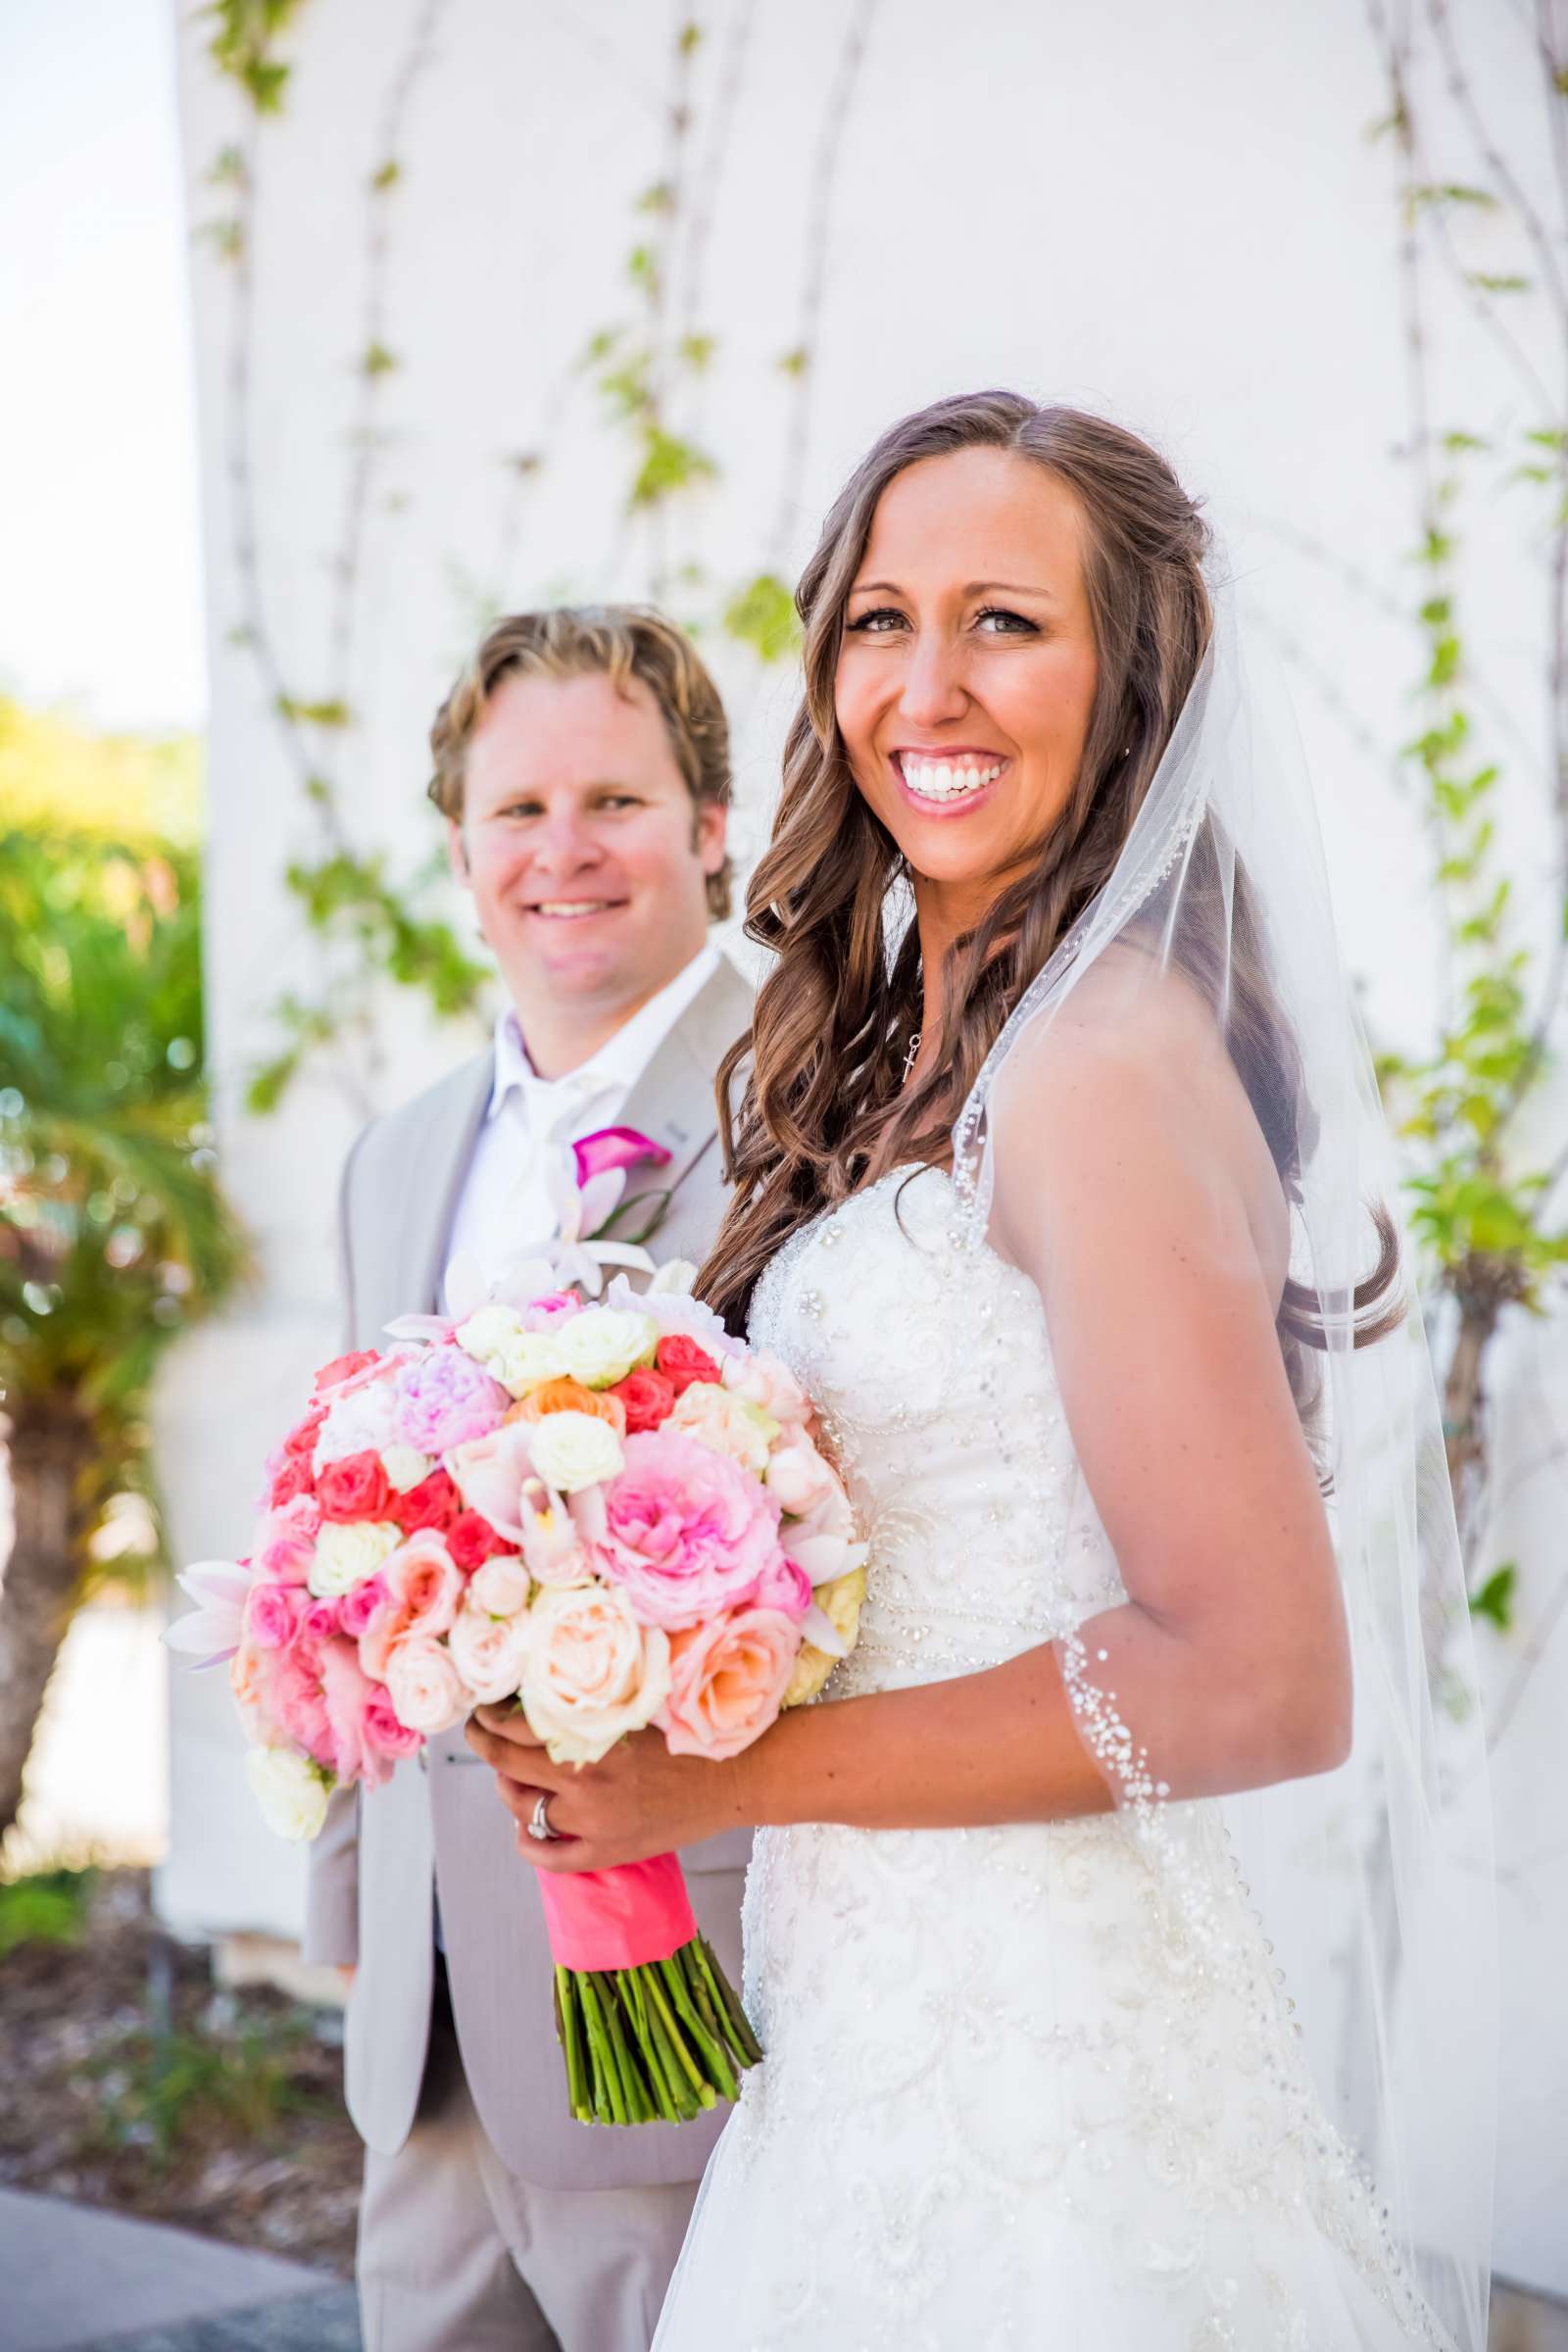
<point x="627" y="1916"/>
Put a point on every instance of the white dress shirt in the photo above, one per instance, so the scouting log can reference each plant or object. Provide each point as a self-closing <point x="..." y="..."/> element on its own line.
<point x="504" y="1208"/>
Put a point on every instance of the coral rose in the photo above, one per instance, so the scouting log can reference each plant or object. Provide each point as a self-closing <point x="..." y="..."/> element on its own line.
<point x="343" y="1367"/>
<point x="355" y="1486"/>
<point x="434" y="1502"/>
<point x="382" y="1730"/>
<point x="645" y="1398"/>
<point x="727" y="1681"/>
<point x="471" y="1540"/>
<point x="682" y="1361"/>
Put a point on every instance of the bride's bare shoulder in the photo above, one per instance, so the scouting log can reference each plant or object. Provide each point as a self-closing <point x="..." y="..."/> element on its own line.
<point x="1129" y="1070"/>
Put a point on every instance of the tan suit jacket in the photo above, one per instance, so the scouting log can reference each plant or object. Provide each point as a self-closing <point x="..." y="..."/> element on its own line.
<point x="439" y="1823"/>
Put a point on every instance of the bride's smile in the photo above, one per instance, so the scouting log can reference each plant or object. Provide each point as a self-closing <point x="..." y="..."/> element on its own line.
<point x="967" y="669"/>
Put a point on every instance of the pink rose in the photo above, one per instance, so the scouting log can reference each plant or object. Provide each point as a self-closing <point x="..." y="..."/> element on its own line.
<point x="444" y="1398"/>
<point x="426" y="1689"/>
<point x="272" y="1614"/>
<point x="688" y="1533"/>
<point x="290" y="1474"/>
<point x="285" y="1540"/>
<point x="360" y="1603"/>
<point x="322" y="1619"/>
<point x="424" y="1587"/>
<point x="726" y="1680"/>
<point x="347" y="1692"/>
<point x="786" y="1587"/>
<point x="299" y="1700"/>
<point x="542" y="1314"/>
<point x="382" y="1730"/>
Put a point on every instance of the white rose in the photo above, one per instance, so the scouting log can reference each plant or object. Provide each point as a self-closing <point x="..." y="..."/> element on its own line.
<point x="488" y="1652"/>
<point x="601" y="1346"/>
<point x="572" y="1451"/>
<point x="290" y="1789"/>
<point x="500" y="1586"/>
<point x="346" y="1551"/>
<point x="358" y="1423"/>
<point x="724" y="1424"/>
<point x="520" y="1359"/>
<point x="427" y="1692"/>
<point x="405" y="1466"/>
<point x="591" y="1672"/>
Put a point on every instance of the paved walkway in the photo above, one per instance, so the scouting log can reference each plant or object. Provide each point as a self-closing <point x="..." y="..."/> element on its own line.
<point x="77" y="2279"/>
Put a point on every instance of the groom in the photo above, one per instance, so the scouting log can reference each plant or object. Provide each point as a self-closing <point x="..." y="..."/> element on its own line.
<point x="582" y="764"/>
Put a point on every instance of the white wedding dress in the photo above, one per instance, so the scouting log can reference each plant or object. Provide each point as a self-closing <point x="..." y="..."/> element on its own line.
<point x="1009" y="2098"/>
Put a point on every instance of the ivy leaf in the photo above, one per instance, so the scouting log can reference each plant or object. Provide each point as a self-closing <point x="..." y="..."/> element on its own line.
<point x="378" y="361"/>
<point x="1495" y="1599"/>
<point x="763" y="616"/>
<point x="389" y="175"/>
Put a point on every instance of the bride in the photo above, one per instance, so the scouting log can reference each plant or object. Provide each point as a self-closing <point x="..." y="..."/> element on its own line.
<point x="1117" y="1918"/>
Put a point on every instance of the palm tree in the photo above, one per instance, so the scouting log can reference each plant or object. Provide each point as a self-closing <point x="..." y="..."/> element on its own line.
<point x="113" y="1236"/>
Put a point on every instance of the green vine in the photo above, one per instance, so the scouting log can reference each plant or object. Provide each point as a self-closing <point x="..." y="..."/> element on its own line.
<point x="1483" y="1211"/>
<point x="645" y="372"/>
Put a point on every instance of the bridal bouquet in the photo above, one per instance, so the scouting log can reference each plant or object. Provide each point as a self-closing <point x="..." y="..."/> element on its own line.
<point x="612" y="1511"/>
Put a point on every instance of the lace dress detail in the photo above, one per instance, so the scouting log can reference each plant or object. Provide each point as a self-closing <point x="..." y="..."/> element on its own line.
<point x="1010" y="2096"/>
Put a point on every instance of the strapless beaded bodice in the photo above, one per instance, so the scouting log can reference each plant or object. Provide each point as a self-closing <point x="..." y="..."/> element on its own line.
<point x="930" y="1366"/>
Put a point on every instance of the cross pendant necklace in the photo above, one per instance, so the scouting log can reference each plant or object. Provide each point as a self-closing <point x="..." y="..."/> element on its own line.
<point x="910" y="1058"/>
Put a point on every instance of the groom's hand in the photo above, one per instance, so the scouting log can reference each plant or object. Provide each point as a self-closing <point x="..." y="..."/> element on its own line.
<point x="637" y="1801"/>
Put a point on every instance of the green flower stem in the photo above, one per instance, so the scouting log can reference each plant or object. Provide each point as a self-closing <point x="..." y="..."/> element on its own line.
<point x="603" y="2051"/>
<point x="698" y="1956"/>
<point x="638" y="2102"/>
<point x="704" y="2092"/>
<point x="569" y="2026"/>
<point x="661" y="2042"/>
<point x="712" y="2052"/>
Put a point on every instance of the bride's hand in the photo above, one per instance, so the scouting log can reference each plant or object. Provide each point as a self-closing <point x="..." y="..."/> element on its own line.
<point x="636" y="1801"/>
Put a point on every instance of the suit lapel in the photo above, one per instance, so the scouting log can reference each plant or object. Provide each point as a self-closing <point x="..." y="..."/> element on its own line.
<point x="675" y="1101"/>
<point x="433" y="1161"/>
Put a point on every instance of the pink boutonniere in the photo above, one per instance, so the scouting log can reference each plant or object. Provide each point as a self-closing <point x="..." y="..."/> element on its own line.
<point x="615" y="1147"/>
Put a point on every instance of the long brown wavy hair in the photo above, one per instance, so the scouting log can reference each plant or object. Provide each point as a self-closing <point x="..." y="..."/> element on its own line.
<point x="820" y="1107"/>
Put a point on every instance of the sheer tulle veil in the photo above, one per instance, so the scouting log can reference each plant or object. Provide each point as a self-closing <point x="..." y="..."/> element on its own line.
<point x="1373" y="1881"/>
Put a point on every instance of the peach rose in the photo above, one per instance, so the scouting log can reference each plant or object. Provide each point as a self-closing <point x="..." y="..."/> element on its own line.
<point x="568" y="1395"/>
<point x="727" y="1679"/>
<point x="427" y="1692"/>
<point x="424" y="1587"/>
<point x="488" y="1652"/>
<point x="724" y="1423"/>
<point x="591" y="1672"/>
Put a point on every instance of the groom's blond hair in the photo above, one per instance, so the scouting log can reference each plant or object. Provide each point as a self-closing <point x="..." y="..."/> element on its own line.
<point x="618" y="642"/>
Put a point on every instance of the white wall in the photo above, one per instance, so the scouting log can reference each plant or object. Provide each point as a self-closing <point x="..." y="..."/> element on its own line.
<point x="1174" y="215"/>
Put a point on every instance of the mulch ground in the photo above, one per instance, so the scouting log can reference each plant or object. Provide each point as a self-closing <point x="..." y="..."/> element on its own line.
<point x="132" y="2082"/>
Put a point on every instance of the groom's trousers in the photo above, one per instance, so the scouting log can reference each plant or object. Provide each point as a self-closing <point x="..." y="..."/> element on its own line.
<point x="457" y="2254"/>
